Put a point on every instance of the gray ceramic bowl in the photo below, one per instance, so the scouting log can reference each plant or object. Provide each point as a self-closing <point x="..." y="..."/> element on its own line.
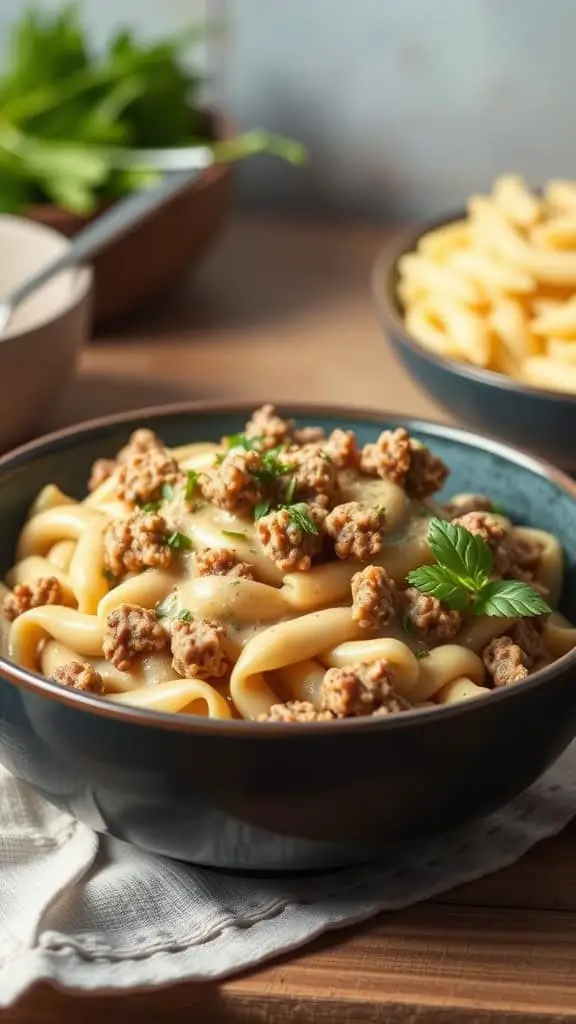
<point x="537" y="420"/>
<point x="267" y="796"/>
<point x="39" y="350"/>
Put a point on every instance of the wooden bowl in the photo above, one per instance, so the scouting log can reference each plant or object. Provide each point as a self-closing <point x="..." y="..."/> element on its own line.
<point x="151" y="256"/>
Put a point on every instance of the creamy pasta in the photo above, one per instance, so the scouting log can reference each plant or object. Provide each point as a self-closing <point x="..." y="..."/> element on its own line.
<point x="281" y="575"/>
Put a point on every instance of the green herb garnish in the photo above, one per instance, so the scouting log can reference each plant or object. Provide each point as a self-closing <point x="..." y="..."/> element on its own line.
<point x="167" y="492"/>
<point x="422" y="652"/>
<point x="272" y="467"/>
<point x="179" y="541"/>
<point x="108" y="575"/>
<point x="301" y="517"/>
<point x="262" y="508"/>
<point x="499" y="510"/>
<point x="184" y="615"/>
<point x="289" y="492"/>
<point x="242" y="441"/>
<point x="79" y="127"/>
<point x="192" y="478"/>
<point x="150" y="506"/>
<point x="461" y="576"/>
<point x="235" y="534"/>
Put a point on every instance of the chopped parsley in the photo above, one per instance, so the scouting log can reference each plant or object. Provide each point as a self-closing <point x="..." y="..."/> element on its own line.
<point x="168" y="492"/>
<point x="422" y="652"/>
<point x="301" y="517"/>
<point x="262" y="508"/>
<point x="184" y="615"/>
<point x="290" y="488"/>
<point x="272" y="467"/>
<point x="179" y="541"/>
<point x="235" y="534"/>
<point x="407" y="625"/>
<point x="192" y="478"/>
<point x="248" y="444"/>
<point x="150" y="506"/>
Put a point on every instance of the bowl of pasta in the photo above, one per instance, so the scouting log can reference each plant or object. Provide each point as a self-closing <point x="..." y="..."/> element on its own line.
<point x="480" y="307"/>
<point x="282" y="639"/>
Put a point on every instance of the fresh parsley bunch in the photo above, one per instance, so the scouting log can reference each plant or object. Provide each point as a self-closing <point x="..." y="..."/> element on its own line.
<point x="461" y="577"/>
<point x="71" y="120"/>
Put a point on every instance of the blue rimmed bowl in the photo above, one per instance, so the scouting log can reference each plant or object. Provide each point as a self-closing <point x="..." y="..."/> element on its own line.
<point x="537" y="420"/>
<point x="281" y="797"/>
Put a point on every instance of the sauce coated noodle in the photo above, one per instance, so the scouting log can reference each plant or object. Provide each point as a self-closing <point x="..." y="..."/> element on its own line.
<point x="265" y="577"/>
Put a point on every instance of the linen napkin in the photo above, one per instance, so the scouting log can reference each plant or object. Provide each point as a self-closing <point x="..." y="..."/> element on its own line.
<point x="89" y="912"/>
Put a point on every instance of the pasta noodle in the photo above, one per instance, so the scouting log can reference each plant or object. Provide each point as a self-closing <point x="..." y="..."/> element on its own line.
<point x="268" y="577"/>
<point x="498" y="289"/>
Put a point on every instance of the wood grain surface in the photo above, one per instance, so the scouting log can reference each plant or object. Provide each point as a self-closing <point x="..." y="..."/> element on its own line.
<point x="282" y="311"/>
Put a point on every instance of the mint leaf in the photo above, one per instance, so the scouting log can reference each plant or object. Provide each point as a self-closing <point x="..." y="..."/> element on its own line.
<point x="510" y="599"/>
<point x="439" y="582"/>
<point x="464" y="554"/>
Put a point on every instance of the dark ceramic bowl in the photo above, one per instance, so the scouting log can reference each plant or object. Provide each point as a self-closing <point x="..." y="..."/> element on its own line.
<point x="535" y="419"/>
<point x="258" y="796"/>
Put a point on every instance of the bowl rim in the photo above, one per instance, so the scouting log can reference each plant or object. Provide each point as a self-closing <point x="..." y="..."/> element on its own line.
<point x="81" y="279"/>
<point x="242" y="728"/>
<point x="405" y="241"/>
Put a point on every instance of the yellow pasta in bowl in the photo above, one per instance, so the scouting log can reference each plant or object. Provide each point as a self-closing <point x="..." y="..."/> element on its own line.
<point x="247" y="639"/>
<point x="481" y="308"/>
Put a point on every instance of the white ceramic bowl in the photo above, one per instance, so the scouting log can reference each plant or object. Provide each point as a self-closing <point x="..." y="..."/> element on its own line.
<point x="39" y="349"/>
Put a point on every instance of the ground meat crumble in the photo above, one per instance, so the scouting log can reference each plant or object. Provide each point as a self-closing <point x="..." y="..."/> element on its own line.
<point x="132" y="631"/>
<point x="462" y="504"/>
<point x="268" y="427"/>
<point x="362" y="689"/>
<point x="314" y="475"/>
<point x="286" y="544"/>
<point x="46" y="590"/>
<point x="426" y="616"/>
<point x="514" y="557"/>
<point x="296" y="711"/>
<point x="101" y="471"/>
<point x="405" y="461"/>
<point x="137" y="543"/>
<point x="80" y="675"/>
<point x="197" y="648"/>
<point x="233" y="484"/>
<point x="142" y="476"/>
<point x="357" y="529"/>
<point x="373" y="597"/>
<point x="222" y="562"/>
<point x="509" y="658"/>
<point x="342" y="448"/>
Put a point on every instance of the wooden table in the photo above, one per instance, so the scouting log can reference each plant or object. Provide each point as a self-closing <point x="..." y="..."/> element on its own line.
<point x="282" y="311"/>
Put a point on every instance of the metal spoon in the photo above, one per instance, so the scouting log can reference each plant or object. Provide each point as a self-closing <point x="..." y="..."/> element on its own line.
<point x="116" y="221"/>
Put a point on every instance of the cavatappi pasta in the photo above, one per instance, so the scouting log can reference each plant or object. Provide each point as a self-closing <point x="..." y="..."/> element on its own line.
<point x="279" y="575"/>
<point x="498" y="288"/>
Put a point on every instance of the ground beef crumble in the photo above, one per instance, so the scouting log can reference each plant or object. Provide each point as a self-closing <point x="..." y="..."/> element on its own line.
<point x="462" y="504"/>
<point x="373" y="597"/>
<point x="509" y="658"/>
<point x="308" y="435"/>
<point x="268" y="427"/>
<point x="286" y="544"/>
<point x="361" y="689"/>
<point x="222" y="562"/>
<point x="101" y="471"/>
<point x="342" y="448"/>
<point x="132" y="631"/>
<point x="296" y="711"/>
<point x="405" y="461"/>
<point x="426" y="616"/>
<point x="357" y="529"/>
<point x="314" y="475"/>
<point x="197" y="648"/>
<point x="46" y="590"/>
<point x="143" y="473"/>
<point x="137" y="543"/>
<point x="80" y="675"/>
<point x="233" y="484"/>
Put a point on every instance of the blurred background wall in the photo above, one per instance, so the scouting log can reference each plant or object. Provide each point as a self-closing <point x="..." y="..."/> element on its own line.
<point x="406" y="105"/>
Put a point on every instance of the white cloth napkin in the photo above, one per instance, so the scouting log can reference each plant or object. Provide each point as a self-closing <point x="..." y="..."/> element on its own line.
<point x="89" y="912"/>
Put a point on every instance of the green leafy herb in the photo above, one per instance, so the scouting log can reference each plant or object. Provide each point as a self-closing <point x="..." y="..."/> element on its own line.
<point x="327" y="458"/>
<point x="407" y="624"/>
<point x="273" y="467"/>
<point x="289" y="492"/>
<point x="498" y="510"/>
<point x="235" y="534"/>
<point x="301" y="517"/>
<point x="424" y="513"/>
<point x="184" y="615"/>
<point x="512" y="598"/>
<point x="422" y="652"/>
<point x="168" y="492"/>
<point x="461" y="576"/>
<point x="192" y="478"/>
<point x="167" y="607"/>
<point x="150" y="506"/>
<point x="248" y="444"/>
<point x="108" y="575"/>
<point x="262" y="508"/>
<point x="179" y="541"/>
<point x="78" y="127"/>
